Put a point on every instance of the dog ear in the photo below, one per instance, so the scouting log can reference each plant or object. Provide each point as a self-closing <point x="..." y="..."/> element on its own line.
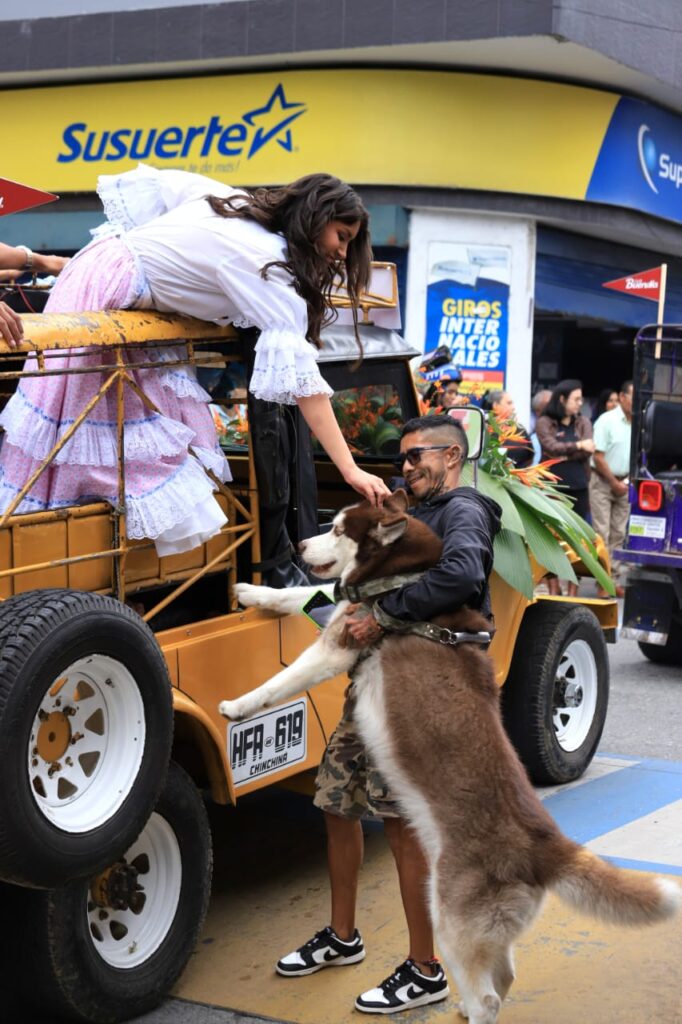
<point x="393" y="522"/>
<point x="398" y="501"/>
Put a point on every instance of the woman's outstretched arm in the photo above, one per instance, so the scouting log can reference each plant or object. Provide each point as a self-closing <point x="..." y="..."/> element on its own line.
<point x="17" y="257"/>
<point x="319" y="415"/>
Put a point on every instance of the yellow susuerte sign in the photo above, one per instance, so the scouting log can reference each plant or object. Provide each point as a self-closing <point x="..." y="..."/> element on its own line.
<point x="379" y="127"/>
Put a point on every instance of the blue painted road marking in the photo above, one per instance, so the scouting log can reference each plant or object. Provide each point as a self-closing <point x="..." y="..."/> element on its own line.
<point x="624" y="804"/>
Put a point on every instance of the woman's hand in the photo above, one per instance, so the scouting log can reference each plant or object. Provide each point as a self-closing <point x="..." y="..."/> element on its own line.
<point x="11" y="327"/>
<point x="371" y="487"/>
<point x="586" y="445"/>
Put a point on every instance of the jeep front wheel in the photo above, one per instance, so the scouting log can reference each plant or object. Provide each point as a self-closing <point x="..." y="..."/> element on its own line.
<point x="555" y="698"/>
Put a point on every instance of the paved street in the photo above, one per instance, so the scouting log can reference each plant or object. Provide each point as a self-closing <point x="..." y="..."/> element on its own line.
<point x="629" y="807"/>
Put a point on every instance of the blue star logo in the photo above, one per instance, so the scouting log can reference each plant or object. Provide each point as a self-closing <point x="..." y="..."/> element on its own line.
<point x="280" y="132"/>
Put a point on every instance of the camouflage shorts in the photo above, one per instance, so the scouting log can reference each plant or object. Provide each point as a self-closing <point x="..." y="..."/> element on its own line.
<point x="347" y="784"/>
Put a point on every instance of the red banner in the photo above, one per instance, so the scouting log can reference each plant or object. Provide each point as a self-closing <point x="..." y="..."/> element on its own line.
<point x="645" y="284"/>
<point x="15" y="197"/>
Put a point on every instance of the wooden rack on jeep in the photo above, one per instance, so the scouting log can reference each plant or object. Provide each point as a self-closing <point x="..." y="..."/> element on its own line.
<point x="85" y="547"/>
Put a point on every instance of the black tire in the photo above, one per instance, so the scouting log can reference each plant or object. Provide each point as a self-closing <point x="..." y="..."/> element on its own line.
<point x="58" y="963"/>
<point x="669" y="653"/>
<point x="555" y="698"/>
<point x="83" y="765"/>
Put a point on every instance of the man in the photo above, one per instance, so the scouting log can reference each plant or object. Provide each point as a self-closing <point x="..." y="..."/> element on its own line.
<point x="608" y="483"/>
<point x="433" y="451"/>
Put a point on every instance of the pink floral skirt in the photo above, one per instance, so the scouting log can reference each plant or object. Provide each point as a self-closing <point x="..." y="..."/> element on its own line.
<point x="169" y="498"/>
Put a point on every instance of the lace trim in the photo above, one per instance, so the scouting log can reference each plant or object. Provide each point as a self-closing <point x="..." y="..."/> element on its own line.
<point x="287" y="385"/>
<point x="215" y="461"/>
<point x="131" y="198"/>
<point x="286" y="368"/>
<point x="180" y="380"/>
<point x="169" y="504"/>
<point x="94" y="443"/>
<point x="147" y="516"/>
<point x="182" y="384"/>
<point x="242" y="321"/>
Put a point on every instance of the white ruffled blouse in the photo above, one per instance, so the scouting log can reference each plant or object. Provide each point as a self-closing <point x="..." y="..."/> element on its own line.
<point x="200" y="264"/>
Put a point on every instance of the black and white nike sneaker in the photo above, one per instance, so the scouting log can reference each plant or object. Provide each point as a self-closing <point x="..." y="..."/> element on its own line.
<point x="325" y="949"/>
<point x="406" y="988"/>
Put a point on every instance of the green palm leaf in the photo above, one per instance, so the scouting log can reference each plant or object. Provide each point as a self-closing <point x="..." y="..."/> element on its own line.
<point x="511" y="562"/>
<point x="544" y="546"/>
<point x="496" y="490"/>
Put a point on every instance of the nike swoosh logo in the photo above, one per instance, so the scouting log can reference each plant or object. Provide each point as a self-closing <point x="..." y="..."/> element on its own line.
<point x="329" y="954"/>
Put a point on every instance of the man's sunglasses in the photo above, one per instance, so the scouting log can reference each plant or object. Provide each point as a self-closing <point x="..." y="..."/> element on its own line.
<point x="414" y="455"/>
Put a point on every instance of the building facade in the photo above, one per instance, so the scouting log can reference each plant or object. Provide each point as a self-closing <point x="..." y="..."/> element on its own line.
<point x="515" y="154"/>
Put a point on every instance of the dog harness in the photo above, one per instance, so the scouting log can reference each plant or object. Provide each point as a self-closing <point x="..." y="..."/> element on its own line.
<point x="359" y="593"/>
<point x="441" y="634"/>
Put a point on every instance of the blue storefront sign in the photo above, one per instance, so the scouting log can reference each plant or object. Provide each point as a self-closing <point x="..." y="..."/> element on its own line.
<point x="467" y="308"/>
<point x="640" y="161"/>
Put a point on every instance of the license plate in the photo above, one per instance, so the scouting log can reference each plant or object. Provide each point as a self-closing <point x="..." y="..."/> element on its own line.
<point x="269" y="742"/>
<point x="647" y="526"/>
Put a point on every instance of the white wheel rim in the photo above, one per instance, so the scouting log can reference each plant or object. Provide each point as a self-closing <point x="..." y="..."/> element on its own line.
<point x="576" y="686"/>
<point x="86" y="744"/>
<point x="127" y="935"/>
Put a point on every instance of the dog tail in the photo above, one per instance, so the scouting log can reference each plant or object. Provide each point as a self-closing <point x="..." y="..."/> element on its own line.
<point x="595" y="887"/>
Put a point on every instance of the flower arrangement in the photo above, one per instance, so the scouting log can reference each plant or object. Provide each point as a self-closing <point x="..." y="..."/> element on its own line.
<point x="537" y="518"/>
<point x="370" y="419"/>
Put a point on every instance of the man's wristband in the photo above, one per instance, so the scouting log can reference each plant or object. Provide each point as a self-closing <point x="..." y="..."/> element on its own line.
<point x="28" y="265"/>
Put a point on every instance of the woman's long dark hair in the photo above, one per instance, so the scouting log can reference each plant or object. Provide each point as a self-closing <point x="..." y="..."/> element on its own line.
<point x="301" y="211"/>
<point x="554" y="408"/>
<point x="603" y="398"/>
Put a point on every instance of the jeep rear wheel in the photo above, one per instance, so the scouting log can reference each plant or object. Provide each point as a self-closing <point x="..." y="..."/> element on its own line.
<point x="109" y="948"/>
<point x="85" y="733"/>
<point x="555" y="698"/>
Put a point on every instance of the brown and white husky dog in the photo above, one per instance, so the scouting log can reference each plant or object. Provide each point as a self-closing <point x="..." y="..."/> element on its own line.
<point x="430" y="716"/>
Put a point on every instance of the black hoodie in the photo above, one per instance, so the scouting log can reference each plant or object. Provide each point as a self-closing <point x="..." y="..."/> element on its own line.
<point x="467" y="522"/>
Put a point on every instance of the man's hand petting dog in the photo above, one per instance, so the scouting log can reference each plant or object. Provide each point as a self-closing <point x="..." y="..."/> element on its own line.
<point x="363" y="629"/>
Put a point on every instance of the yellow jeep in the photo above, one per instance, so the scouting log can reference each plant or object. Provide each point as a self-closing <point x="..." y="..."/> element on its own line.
<point x="113" y="662"/>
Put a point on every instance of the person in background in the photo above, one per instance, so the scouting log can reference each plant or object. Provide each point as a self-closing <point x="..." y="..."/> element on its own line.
<point x="606" y="401"/>
<point x="501" y="405"/>
<point x="608" y="482"/>
<point x="444" y="394"/>
<point x="538" y="404"/>
<point x="567" y="435"/>
<point x="22" y="260"/>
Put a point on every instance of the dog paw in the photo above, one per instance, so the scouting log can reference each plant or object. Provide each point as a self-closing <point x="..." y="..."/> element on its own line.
<point x="233" y="709"/>
<point x="250" y="596"/>
<point x="462" y="1011"/>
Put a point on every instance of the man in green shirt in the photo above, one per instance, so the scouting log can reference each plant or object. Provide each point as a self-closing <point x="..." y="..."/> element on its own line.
<point x="610" y="469"/>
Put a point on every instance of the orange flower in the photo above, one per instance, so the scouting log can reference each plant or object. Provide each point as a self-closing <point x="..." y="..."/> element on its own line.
<point x="508" y="432"/>
<point x="534" y="476"/>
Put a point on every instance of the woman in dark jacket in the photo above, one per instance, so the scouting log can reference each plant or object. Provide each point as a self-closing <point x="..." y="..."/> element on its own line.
<point x="565" y="434"/>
